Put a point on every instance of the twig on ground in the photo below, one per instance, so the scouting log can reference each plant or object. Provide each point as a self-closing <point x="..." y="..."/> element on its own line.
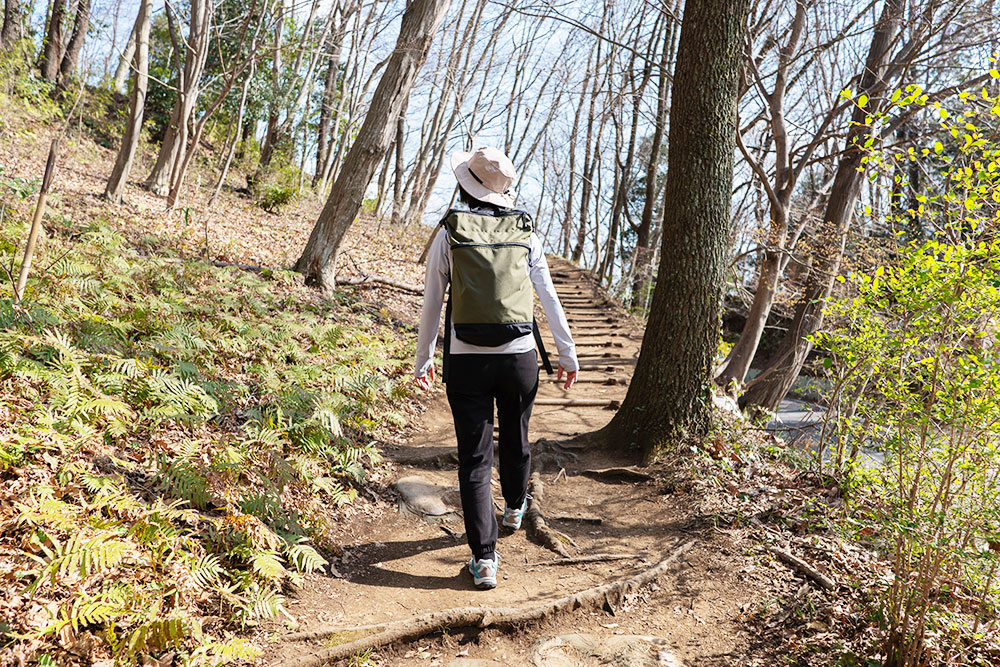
<point x="363" y="638"/>
<point x="592" y="558"/>
<point x="803" y="568"/>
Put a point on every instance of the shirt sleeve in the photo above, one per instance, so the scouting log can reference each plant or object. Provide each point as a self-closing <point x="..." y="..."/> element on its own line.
<point x="435" y="283"/>
<point x="538" y="270"/>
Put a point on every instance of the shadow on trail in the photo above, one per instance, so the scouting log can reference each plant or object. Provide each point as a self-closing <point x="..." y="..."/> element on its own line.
<point x="372" y="567"/>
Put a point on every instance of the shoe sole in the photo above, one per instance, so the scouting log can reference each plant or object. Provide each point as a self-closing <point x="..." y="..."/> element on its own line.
<point x="485" y="586"/>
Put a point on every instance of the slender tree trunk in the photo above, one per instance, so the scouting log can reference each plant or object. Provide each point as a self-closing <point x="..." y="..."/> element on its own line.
<point x="271" y="134"/>
<point x="397" y="183"/>
<point x="770" y="387"/>
<point x="589" y="160"/>
<point x="240" y="120"/>
<point x="125" y="63"/>
<point x="81" y="25"/>
<point x="568" y="214"/>
<point x="52" y="46"/>
<point x="669" y="396"/>
<point x="416" y="32"/>
<point x="137" y="106"/>
<point x="335" y="42"/>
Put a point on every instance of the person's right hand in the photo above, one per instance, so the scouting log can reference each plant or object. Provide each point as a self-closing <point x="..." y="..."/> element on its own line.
<point x="426" y="381"/>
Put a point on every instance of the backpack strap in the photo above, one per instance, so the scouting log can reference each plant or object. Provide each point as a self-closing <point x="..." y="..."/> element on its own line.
<point x="546" y="364"/>
<point x="446" y="357"/>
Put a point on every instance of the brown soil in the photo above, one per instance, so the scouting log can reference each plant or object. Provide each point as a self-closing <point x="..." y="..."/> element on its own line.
<point x="400" y="566"/>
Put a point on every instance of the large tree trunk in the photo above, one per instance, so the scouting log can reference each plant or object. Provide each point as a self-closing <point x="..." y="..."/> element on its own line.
<point x="81" y="24"/>
<point x="416" y="32"/>
<point x="52" y="46"/>
<point x="770" y="387"/>
<point x="137" y="106"/>
<point x="13" y="25"/>
<point x="669" y="396"/>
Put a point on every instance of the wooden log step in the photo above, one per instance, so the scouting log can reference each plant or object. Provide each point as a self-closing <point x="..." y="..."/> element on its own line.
<point x="579" y="402"/>
<point x="605" y="344"/>
<point x="606" y="355"/>
<point x="610" y="382"/>
<point x="598" y="369"/>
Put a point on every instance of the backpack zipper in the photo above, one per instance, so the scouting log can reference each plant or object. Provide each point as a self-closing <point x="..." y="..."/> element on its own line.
<point x="492" y="245"/>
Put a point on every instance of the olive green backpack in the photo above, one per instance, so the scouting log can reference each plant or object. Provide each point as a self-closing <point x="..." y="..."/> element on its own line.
<point x="491" y="301"/>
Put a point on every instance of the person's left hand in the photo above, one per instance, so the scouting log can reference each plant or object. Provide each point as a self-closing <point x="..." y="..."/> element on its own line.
<point x="570" y="377"/>
<point x="425" y="382"/>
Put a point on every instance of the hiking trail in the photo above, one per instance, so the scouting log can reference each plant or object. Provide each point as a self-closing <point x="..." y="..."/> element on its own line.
<point x="406" y="561"/>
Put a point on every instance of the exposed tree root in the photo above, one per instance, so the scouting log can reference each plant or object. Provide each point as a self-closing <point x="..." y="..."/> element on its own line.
<point x="535" y="522"/>
<point x="592" y="558"/>
<point x="373" y="636"/>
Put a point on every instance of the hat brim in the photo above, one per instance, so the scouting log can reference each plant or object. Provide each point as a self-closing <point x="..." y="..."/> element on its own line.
<point x="460" y="165"/>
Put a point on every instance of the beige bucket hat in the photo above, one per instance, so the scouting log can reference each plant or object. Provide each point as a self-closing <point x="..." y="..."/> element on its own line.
<point x="486" y="174"/>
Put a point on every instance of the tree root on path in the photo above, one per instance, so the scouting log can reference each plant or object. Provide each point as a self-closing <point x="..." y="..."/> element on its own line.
<point x="373" y="636"/>
<point x="592" y="558"/>
<point x="535" y="522"/>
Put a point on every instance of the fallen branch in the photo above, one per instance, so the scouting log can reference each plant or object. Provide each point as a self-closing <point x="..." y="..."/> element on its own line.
<point x="535" y="522"/>
<point x="593" y="558"/>
<point x="367" y="281"/>
<point x="363" y="638"/>
<point x="803" y="568"/>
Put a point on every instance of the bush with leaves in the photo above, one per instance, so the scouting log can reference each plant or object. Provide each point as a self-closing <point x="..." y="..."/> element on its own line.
<point x="915" y="355"/>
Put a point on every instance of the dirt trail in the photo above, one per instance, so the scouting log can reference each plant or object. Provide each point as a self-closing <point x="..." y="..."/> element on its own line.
<point x="398" y="565"/>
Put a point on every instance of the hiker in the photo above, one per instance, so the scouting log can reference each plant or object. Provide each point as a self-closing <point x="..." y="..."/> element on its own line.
<point x="489" y="254"/>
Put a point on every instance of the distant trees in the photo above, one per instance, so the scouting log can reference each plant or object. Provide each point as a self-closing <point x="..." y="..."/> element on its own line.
<point x="669" y="395"/>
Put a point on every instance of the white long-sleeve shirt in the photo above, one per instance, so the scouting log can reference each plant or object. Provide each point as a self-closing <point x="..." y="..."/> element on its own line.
<point x="435" y="284"/>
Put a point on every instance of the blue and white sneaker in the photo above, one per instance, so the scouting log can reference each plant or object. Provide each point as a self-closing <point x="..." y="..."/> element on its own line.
<point x="484" y="572"/>
<point x="512" y="515"/>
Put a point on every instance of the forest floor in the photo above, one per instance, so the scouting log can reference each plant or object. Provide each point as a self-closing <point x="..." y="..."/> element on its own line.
<point x="727" y="601"/>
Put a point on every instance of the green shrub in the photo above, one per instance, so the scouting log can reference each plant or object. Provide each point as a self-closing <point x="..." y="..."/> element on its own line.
<point x="915" y="356"/>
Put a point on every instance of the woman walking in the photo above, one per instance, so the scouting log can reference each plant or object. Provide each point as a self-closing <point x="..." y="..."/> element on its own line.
<point x="490" y="256"/>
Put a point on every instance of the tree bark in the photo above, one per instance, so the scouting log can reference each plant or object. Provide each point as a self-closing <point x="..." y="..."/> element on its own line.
<point x="137" y="106"/>
<point x="669" y="396"/>
<point x="419" y="23"/>
<point x="52" y="47"/>
<point x="81" y="24"/>
<point x="13" y="25"/>
<point x="770" y="387"/>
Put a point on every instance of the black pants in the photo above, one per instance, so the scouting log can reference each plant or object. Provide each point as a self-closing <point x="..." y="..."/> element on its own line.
<point x="474" y="382"/>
